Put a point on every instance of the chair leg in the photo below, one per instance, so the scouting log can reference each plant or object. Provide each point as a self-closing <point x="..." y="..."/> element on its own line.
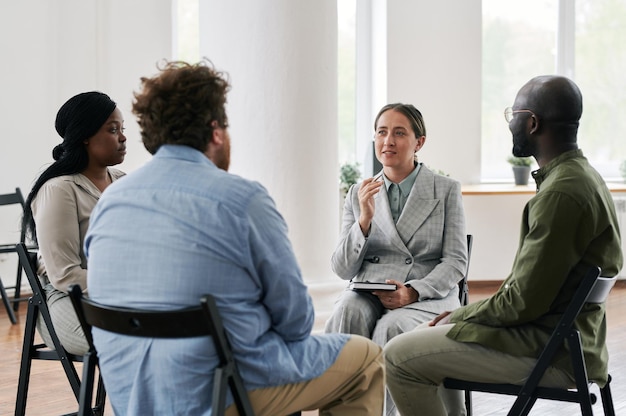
<point x="66" y="362"/>
<point x="580" y="374"/>
<point x="522" y="405"/>
<point x="86" y="384"/>
<point x="101" y="396"/>
<point x="219" y="392"/>
<point x="468" y="402"/>
<point x="607" y="399"/>
<point x="26" y="361"/>
<point x="7" y="304"/>
<point x="240" y="394"/>
<point x="18" y="288"/>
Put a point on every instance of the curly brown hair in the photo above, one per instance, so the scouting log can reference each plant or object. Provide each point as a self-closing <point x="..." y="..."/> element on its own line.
<point x="179" y="105"/>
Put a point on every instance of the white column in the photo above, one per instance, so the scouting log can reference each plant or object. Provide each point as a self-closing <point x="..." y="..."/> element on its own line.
<point x="281" y="56"/>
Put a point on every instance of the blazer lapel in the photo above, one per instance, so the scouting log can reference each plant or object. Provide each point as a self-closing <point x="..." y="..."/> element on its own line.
<point x="384" y="221"/>
<point x="418" y="206"/>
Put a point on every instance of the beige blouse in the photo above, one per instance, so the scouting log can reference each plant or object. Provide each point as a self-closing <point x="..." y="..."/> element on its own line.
<point x="61" y="211"/>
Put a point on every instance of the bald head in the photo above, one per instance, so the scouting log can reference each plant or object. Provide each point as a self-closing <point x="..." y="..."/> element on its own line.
<point x="550" y="107"/>
<point x="553" y="98"/>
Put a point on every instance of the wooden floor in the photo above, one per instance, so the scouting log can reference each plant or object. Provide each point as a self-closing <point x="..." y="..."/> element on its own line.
<point x="49" y="392"/>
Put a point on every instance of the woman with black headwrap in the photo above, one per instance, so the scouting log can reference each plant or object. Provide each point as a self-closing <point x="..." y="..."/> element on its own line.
<point x="60" y="204"/>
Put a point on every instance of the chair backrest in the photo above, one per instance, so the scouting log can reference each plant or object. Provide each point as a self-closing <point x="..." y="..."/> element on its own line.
<point x="463" y="285"/>
<point x="601" y="289"/>
<point x="11" y="199"/>
<point x="566" y="326"/>
<point x="28" y="261"/>
<point x="581" y="296"/>
<point x="17" y="200"/>
<point x="182" y="323"/>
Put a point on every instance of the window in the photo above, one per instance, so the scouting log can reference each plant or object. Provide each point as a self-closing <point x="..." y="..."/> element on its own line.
<point x="346" y="36"/>
<point x="518" y="43"/>
<point x="579" y="39"/>
<point x="599" y="72"/>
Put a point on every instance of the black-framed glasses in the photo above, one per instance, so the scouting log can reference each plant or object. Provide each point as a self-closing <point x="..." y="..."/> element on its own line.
<point x="509" y="113"/>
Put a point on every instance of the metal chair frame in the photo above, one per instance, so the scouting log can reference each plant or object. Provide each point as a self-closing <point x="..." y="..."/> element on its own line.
<point x="464" y="299"/>
<point x="190" y="322"/>
<point x="38" y="309"/>
<point x="14" y="198"/>
<point x="592" y="289"/>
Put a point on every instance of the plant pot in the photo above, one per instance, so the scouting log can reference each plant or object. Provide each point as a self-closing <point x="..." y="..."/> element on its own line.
<point x="521" y="174"/>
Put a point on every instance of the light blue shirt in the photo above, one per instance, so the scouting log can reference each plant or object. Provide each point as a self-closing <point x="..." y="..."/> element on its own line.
<point x="401" y="192"/>
<point x="175" y="229"/>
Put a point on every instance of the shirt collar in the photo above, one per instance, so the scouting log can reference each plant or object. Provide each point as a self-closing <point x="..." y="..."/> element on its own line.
<point x="407" y="183"/>
<point x="177" y="151"/>
<point x="542" y="173"/>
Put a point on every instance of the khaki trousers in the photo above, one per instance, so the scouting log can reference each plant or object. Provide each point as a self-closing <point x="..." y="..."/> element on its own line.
<point x="418" y="361"/>
<point x="353" y="385"/>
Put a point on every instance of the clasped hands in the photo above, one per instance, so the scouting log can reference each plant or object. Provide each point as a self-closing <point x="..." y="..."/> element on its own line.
<point x="404" y="295"/>
<point x="393" y="299"/>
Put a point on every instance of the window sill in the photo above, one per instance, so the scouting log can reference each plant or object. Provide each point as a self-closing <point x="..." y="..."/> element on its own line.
<point x="511" y="189"/>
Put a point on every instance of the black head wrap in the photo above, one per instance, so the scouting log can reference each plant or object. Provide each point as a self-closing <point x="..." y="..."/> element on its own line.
<point x="80" y="118"/>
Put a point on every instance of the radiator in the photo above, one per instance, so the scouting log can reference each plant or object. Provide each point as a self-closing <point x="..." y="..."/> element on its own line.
<point x="620" y="209"/>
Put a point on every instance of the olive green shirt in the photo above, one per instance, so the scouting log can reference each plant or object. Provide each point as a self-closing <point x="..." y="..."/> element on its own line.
<point x="571" y="220"/>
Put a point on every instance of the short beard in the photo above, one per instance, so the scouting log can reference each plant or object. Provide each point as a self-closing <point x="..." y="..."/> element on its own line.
<point x="522" y="148"/>
<point x="222" y="157"/>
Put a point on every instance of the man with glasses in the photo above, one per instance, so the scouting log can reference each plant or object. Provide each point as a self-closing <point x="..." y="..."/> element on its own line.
<point x="570" y="221"/>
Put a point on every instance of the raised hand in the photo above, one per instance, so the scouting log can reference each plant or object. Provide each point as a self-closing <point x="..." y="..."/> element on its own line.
<point x="369" y="188"/>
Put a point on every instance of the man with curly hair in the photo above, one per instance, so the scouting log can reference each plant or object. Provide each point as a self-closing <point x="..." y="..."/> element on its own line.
<point x="181" y="226"/>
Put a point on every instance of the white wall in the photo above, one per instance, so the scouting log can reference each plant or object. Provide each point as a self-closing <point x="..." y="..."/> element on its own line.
<point x="494" y="221"/>
<point x="54" y="49"/>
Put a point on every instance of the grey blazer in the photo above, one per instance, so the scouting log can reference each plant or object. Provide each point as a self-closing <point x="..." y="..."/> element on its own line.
<point x="426" y="249"/>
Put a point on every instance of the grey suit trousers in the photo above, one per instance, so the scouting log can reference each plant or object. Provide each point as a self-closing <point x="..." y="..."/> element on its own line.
<point x="65" y="322"/>
<point x="363" y="314"/>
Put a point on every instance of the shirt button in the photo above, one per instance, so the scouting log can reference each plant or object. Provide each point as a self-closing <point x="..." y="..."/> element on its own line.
<point x="408" y="261"/>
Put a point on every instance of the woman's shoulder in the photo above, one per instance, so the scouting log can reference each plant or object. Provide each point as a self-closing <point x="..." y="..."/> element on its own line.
<point x="63" y="181"/>
<point x="439" y="178"/>
<point x="54" y="190"/>
<point x="116" y="173"/>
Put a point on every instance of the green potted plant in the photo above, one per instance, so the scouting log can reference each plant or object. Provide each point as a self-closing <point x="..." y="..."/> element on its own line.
<point x="349" y="174"/>
<point x="521" y="168"/>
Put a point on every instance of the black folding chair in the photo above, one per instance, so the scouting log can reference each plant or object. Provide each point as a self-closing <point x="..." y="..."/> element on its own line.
<point x="464" y="299"/>
<point x="463" y="285"/>
<point x="38" y="309"/>
<point x="17" y="199"/>
<point x="592" y="289"/>
<point x="191" y="322"/>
